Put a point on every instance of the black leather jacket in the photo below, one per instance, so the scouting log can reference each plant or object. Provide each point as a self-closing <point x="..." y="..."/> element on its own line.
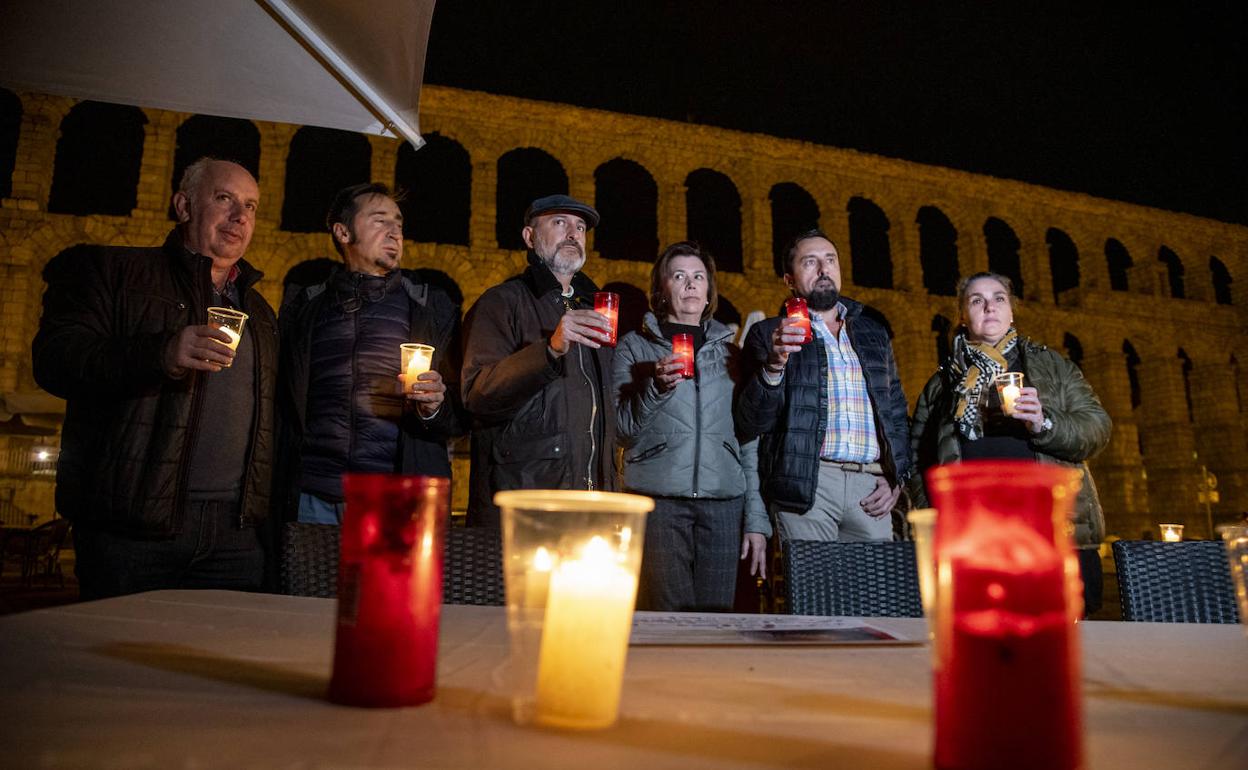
<point x="108" y="314"/>
<point x="791" y="417"/>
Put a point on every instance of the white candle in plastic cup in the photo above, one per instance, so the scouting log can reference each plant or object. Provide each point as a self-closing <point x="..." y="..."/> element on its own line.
<point x="589" y="617"/>
<point x="1009" y="388"/>
<point x="1171" y="533"/>
<point x="230" y="321"/>
<point x="416" y="360"/>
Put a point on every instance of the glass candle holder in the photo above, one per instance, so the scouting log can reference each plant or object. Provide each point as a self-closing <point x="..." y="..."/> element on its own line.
<point x="570" y="564"/>
<point x="1235" y="536"/>
<point x="1171" y="533"/>
<point x="389" y="589"/>
<point x="607" y="303"/>
<point x="231" y="322"/>
<point x="1007" y="680"/>
<point x="682" y="349"/>
<point x="923" y="522"/>
<point x="798" y="314"/>
<point x="414" y="360"/>
<point x="1009" y="388"/>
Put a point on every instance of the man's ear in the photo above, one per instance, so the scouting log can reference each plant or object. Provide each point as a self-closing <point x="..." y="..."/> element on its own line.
<point x="341" y="233"/>
<point x="182" y="207"/>
<point x="527" y="235"/>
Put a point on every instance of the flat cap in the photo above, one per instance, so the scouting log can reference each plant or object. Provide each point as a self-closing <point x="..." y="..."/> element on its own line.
<point x="551" y="203"/>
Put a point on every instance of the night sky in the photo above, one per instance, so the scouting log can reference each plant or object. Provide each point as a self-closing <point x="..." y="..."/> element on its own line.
<point x="1136" y="104"/>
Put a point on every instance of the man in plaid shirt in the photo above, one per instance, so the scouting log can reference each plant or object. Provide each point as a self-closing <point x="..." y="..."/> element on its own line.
<point x="831" y="414"/>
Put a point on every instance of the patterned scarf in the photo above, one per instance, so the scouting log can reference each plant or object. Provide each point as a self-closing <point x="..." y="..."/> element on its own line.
<point x="978" y="364"/>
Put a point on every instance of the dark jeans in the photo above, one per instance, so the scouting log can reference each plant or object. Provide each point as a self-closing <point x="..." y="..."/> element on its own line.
<point x="210" y="552"/>
<point x="689" y="556"/>
<point x="1093" y="579"/>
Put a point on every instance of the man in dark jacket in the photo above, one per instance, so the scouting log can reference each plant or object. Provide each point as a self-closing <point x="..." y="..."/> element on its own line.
<point x="342" y="405"/>
<point x="166" y="452"/>
<point x="537" y="378"/>
<point x="835" y="446"/>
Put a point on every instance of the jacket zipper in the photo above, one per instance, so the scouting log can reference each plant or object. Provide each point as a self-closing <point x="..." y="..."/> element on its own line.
<point x="593" y="418"/>
<point x="697" y="424"/>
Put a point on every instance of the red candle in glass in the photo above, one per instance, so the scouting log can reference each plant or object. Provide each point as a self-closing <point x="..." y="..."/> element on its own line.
<point x="389" y="590"/>
<point x="682" y="349"/>
<point x="1007" y="653"/>
<point x="608" y="304"/>
<point x="799" y="315"/>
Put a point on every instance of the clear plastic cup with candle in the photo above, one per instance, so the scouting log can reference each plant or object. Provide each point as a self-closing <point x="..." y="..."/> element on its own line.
<point x="607" y="303"/>
<point x="1171" y="533"/>
<point x="923" y="523"/>
<point x="570" y="564"/>
<point x="1235" y="536"/>
<point x="230" y="321"/>
<point x="414" y="360"/>
<point x="795" y="307"/>
<point x="1009" y="388"/>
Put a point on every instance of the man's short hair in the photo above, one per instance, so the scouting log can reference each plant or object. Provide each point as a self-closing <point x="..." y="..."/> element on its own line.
<point x="658" y="276"/>
<point x="791" y="250"/>
<point x="346" y="205"/>
<point x="193" y="175"/>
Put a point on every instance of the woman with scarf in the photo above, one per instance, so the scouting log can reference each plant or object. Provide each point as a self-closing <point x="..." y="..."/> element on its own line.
<point x="1056" y="416"/>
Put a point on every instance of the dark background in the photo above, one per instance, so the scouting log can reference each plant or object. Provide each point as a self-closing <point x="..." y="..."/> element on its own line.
<point x="1120" y="101"/>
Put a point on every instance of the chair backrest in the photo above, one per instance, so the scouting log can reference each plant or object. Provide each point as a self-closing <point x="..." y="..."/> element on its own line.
<point x="472" y="565"/>
<point x="1187" y="582"/>
<point x="852" y="579"/>
<point x="472" y="570"/>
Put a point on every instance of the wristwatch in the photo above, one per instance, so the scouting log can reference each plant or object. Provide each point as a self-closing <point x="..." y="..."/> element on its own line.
<point x="1047" y="425"/>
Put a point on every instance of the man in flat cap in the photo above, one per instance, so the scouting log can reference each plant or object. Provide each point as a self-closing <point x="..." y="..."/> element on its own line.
<point x="536" y="372"/>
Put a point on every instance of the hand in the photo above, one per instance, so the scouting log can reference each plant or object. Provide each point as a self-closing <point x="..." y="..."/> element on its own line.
<point x="667" y="373"/>
<point x="881" y="500"/>
<point x="584" y="326"/>
<point x="754" y="548"/>
<point x="786" y="339"/>
<point x="1027" y="408"/>
<point x="198" y="347"/>
<point x="428" y="391"/>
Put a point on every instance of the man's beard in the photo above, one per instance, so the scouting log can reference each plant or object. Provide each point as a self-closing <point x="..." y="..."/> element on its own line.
<point x="561" y="263"/>
<point x="823" y="299"/>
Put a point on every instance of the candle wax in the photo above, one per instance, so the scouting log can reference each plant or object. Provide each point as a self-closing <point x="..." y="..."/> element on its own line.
<point x="418" y="364"/>
<point x="1009" y="394"/>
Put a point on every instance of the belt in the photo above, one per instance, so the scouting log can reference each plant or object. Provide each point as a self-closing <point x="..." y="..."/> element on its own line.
<point x="875" y="469"/>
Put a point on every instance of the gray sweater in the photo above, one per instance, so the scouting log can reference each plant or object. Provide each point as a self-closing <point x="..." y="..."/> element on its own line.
<point x="682" y="443"/>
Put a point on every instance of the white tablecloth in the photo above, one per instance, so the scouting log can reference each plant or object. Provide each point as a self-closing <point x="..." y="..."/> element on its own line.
<point x="220" y="679"/>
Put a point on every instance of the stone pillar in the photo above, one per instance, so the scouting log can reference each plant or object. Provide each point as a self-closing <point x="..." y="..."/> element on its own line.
<point x="1169" y="444"/>
<point x="1119" y="469"/>
<point x="1093" y="264"/>
<point x="1033" y="257"/>
<point x="160" y="139"/>
<point x="903" y="245"/>
<point x="672" y="215"/>
<point x="914" y="347"/>
<point x="274" y="148"/>
<point x="972" y="246"/>
<point x="36" y="149"/>
<point x="385" y="156"/>
<point x="482" y="234"/>
<point x="1219" y="441"/>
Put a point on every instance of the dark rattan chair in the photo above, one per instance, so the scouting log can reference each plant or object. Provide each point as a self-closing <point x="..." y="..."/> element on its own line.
<point x="472" y="569"/>
<point x="310" y="559"/>
<point x="851" y="579"/>
<point x="1187" y="582"/>
<point x="472" y="565"/>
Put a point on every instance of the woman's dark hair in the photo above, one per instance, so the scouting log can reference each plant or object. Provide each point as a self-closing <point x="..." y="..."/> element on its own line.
<point x="658" y="275"/>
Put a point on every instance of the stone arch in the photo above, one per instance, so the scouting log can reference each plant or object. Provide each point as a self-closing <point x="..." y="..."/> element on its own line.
<point x="1003" y="245"/>
<point x="1174" y="271"/>
<point x="437" y="182"/>
<point x="1119" y="262"/>
<point x="1132" y="362"/>
<point x="870" y="254"/>
<point x="942" y="333"/>
<point x="10" y="133"/>
<point x="938" y="251"/>
<point x="1221" y="278"/>
<point x="1063" y="261"/>
<point x="212" y="136"/>
<point x="793" y="211"/>
<point x="524" y="175"/>
<point x="321" y="161"/>
<point x="97" y="162"/>
<point x="1074" y="349"/>
<point x="713" y="217"/>
<point x="627" y="198"/>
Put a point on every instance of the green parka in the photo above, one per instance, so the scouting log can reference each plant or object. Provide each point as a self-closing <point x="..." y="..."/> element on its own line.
<point x="1081" y="428"/>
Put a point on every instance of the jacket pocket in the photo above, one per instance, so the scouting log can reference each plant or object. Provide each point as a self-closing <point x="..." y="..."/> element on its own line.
<point x="537" y="463"/>
<point x="732" y="450"/>
<point x="647" y="454"/>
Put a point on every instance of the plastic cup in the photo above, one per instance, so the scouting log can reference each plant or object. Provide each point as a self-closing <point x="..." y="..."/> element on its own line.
<point x="1009" y="388"/>
<point x="414" y="360"/>
<point x="231" y="322"/>
<point x="608" y="304"/>
<point x="795" y="308"/>
<point x="1235" y="537"/>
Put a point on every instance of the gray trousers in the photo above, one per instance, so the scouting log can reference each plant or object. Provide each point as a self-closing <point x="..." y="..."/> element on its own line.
<point x="689" y="556"/>
<point x="836" y="515"/>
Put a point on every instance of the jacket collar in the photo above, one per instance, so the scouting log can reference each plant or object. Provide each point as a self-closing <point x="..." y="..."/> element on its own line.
<point x="540" y="281"/>
<point x="174" y="246"/>
<point x="714" y="330"/>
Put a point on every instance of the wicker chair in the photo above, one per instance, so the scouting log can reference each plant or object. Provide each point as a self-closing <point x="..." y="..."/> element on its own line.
<point x="472" y="564"/>
<point x="852" y="579"/>
<point x="1188" y="582"/>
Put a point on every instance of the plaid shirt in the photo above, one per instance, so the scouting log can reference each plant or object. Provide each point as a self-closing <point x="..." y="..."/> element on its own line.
<point x="851" y="421"/>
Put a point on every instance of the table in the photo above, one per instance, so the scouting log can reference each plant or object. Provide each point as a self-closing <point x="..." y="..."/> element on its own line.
<point x="223" y="679"/>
